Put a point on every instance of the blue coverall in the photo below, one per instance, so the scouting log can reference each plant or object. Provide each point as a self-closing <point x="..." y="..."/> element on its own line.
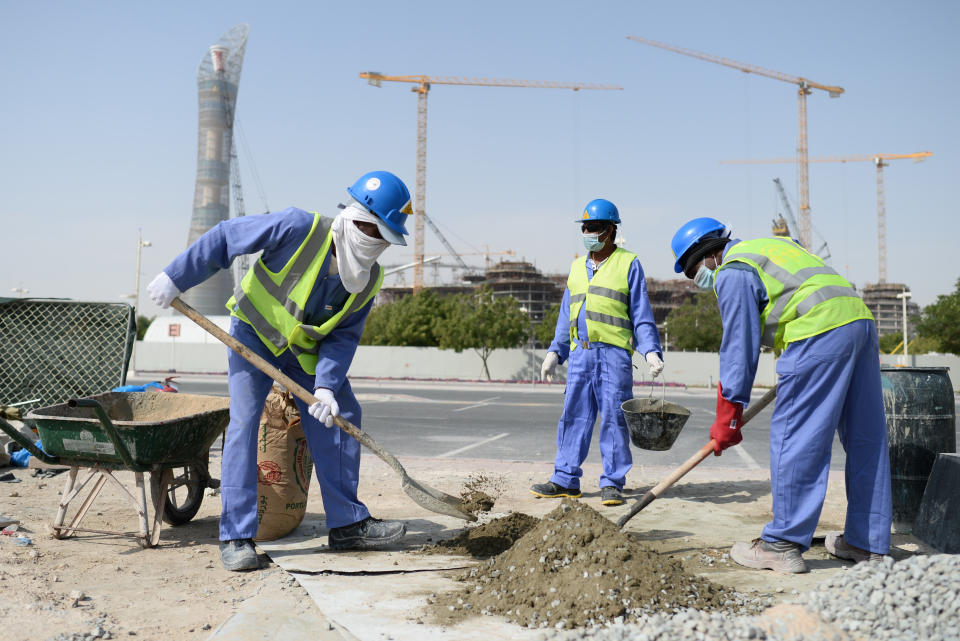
<point x="599" y="379"/>
<point x="336" y="456"/>
<point x="827" y="382"/>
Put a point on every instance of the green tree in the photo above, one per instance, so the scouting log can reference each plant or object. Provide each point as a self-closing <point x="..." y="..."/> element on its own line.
<point x="890" y="342"/>
<point x="695" y="325"/>
<point x="544" y="330"/>
<point x="142" y="324"/>
<point x="483" y="322"/>
<point x="409" y="322"/>
<point x="940" y="321"/>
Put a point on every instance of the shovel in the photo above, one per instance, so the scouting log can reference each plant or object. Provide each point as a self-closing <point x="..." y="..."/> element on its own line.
<point x="423" y="495"/>
<point x="692" y="462"/>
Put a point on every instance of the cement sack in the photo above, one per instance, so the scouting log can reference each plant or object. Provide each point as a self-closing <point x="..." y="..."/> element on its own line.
<point x="284" y="468"/>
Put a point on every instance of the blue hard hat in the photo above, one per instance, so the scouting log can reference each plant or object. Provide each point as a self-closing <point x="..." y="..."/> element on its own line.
<point x="600" y="209"/>
<point x="388" y="198"/>
<point x="692" y="233"/>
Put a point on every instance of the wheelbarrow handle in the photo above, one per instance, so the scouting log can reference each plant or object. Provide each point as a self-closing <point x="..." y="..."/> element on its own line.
<point x="693" y="461"/>
<point x="111" y="431"/>
<point x="27" y="444"/>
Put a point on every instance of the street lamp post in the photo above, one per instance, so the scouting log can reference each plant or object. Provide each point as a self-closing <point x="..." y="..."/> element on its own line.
<point x="141" y="243"/>
<point x="904" y="296"/>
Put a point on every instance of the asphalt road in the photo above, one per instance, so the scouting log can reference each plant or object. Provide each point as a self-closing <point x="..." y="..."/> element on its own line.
<point x="518" y="422"/>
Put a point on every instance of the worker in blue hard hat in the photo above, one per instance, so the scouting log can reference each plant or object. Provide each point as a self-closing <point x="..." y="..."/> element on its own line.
<point x="774" y="293"/>
<point x="302" y="307"/>
<point x="605" y="316"/>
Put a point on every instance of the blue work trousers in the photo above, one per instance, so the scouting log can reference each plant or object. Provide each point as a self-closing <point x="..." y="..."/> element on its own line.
<point x="830" y="382"/>
<point x="336" y="456"/>
<point x="599" y="380"/>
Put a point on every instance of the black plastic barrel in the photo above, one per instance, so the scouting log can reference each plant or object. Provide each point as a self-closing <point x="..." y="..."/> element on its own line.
<point x="921" y="420"/>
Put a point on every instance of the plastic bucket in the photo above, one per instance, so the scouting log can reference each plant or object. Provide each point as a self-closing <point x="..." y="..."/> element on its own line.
<point x="918" y="402"/>
<point x="654" y="424"/>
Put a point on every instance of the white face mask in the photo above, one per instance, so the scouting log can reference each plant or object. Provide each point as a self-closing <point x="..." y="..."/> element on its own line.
<point x="356" y="252"/>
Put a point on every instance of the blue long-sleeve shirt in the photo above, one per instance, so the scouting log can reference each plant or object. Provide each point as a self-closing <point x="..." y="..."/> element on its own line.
<point x="278" y="235"/>
<point x="646" y="339"/>
<point x="741" y="297"/>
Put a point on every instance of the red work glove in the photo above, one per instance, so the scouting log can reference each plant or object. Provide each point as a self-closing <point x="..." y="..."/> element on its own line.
<point x="725" y="430"/>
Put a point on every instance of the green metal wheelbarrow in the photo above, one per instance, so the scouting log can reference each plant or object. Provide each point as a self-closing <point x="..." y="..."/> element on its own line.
<point x="143" y="432"/>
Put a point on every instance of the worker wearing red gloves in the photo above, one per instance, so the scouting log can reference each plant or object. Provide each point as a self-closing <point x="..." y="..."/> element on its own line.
<point x="774" y="293"/>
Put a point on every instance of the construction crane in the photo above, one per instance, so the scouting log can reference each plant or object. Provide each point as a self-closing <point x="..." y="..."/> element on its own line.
<point x="421" y="87"/>
<point x="805" y="87"/>
<point x="783" y="227"/>
<point x="880" y="161"/>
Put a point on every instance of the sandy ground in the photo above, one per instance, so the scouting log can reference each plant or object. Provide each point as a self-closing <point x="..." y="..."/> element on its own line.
<point x="178" y="590"/>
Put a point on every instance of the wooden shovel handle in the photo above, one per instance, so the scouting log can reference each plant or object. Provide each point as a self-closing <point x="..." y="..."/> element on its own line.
<point x="694" y="460"/>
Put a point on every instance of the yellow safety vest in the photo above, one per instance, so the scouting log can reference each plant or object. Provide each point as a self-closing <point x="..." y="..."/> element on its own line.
<point x="273" y="302"/>
<point x="607" y="297"/>
<point x="805" y="297"/>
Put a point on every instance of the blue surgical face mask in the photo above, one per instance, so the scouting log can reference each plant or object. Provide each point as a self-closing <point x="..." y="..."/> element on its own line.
<point x="592" y="242"/>
<point x="705" y="277"/>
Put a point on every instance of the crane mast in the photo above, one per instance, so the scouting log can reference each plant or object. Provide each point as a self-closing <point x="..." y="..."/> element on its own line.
<point x="422" y="84"/>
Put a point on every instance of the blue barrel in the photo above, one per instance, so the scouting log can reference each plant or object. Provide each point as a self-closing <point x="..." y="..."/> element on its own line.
<point x="921" y="423"/>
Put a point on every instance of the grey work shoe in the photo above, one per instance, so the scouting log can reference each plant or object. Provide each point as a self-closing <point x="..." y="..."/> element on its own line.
<point x="238" y="555"/>
<point x="551" y="490"/>
<point x="366" y="534"/>
<point x="782" y="556"/>
<point x="838" y="547"/>
<point x="610" y="495"/>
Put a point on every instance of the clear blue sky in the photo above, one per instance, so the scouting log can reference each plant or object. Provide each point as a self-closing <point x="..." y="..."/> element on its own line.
<point x="99" y="126"/>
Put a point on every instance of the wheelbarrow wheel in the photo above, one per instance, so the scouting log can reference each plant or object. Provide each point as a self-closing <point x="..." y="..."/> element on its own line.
<point x="184" y="494"/>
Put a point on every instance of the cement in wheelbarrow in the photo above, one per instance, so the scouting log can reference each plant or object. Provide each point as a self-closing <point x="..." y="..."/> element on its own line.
<point x="159" y="428"/>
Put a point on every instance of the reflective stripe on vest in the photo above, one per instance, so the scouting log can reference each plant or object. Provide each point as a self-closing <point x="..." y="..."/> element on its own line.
<point x="273" y="303"/>
<point x="607" y="300"/>
<point x="805" y="297"/>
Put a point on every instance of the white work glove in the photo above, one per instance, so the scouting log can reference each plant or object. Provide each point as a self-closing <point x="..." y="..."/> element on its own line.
<point x="326" y="406"/>
<point x="549" y="366"/>
<point x="656" y="364"/>
<point x="162" y="291"/>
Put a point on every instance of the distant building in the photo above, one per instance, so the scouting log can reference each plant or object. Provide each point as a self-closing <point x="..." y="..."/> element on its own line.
<point x="881" y="299"/>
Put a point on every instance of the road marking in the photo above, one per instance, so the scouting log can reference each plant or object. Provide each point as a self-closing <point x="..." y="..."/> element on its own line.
<point x="749" y="460"/>
<point x="470" y="447"/>
<point x="485" y="401"/>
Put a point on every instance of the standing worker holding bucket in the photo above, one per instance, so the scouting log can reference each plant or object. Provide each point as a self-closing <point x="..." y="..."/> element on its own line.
<point x="772" y="292"/>
<point x="301" y="307"/>
<point x="604" y="315"/>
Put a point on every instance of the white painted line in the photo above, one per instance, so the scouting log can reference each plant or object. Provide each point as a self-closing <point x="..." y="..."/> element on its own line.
<point x="749" y="460"/>
<point x="470" y="447"/>
<point x="485" y="401"/>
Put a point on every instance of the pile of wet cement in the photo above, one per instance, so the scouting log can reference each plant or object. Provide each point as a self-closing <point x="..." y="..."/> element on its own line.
<point x="489" y="539"/>
<point x="576" y="568"/>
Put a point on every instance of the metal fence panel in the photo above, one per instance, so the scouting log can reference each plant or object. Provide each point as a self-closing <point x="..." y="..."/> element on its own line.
<point x="54" y="350"/>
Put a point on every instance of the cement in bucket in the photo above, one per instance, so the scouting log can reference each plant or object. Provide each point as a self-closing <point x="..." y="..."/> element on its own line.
<point x="654" y="424"/>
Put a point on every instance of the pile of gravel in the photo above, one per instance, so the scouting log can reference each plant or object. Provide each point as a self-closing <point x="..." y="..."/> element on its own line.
<point x="914" y="599"/>
<point x="917" y="598"/>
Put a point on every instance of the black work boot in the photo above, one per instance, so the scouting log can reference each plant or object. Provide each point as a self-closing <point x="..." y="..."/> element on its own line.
<point x="238" y="555"/>
<point x="610" y="496"/>
<point x="366" y="534"/>
<point x="551" y="490"/>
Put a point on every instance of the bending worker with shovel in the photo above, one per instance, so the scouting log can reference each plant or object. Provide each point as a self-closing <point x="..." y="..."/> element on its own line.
<point x="772" y="292"/>
<point x="302" y="307"/>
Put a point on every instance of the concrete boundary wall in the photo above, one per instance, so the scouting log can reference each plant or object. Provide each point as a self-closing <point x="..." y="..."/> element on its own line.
<point x="698" y="369"/>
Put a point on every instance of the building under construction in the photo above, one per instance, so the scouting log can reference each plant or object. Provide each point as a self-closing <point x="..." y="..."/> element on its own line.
<point x="881" y="299"/>
<point x="218" y="79"/>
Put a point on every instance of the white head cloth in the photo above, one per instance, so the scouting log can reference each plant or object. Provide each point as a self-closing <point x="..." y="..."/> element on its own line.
<point x="356" y="252"/>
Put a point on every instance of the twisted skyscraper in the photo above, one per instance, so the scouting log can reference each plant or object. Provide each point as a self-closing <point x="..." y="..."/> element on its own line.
<point x="218" y="79"/>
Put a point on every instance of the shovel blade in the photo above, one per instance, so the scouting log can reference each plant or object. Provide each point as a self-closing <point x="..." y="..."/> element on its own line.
<point x="435" y="500"/>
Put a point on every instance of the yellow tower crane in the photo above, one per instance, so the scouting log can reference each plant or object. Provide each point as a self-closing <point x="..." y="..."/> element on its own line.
<point x="421" y="88"/>
<point x="805" y="88"/>
<point x="879" y="160"/>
